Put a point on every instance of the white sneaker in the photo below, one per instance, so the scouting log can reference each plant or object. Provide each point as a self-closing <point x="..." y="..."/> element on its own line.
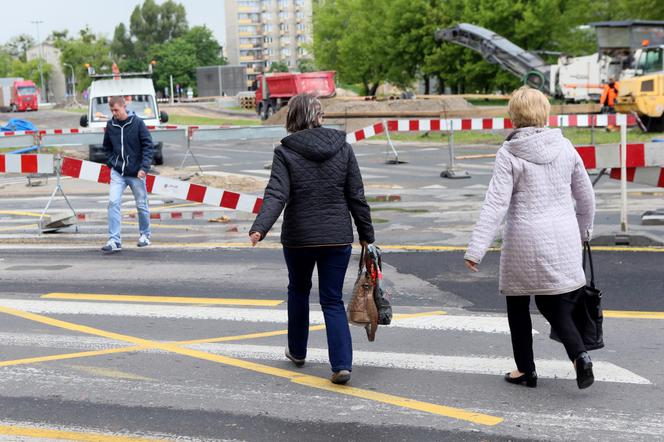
<point x="143" y="241"/>
<point x="111" y="247"/>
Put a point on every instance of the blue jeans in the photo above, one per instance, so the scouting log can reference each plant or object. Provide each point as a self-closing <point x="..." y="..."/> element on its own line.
<point x="332" y="263"/>
<point x="118" y="184"/>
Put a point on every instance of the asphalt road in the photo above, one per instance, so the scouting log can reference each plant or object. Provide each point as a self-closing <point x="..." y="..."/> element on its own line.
<point x="233" y="385"/>
<point x="186" y="341"/>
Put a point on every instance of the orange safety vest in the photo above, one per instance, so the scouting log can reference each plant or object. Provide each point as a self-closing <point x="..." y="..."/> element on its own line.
<point x="609" y="95"/>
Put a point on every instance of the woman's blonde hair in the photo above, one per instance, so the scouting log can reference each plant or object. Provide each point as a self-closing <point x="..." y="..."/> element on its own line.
<point x="304" y="112"/>
<point x="528" y="107"/>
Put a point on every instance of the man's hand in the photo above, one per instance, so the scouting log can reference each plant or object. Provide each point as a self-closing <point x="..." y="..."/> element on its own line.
<point x="141" y="174"/>
<point x="254" y="237"/>
<point x="472" y="266"/>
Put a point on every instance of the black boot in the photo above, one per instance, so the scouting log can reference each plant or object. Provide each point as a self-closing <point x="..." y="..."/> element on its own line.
<point x="584" y="370"/>
<point x="530" y="379"/>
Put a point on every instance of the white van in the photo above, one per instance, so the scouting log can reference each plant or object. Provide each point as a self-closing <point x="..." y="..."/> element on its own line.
<point x="139" y="97"/>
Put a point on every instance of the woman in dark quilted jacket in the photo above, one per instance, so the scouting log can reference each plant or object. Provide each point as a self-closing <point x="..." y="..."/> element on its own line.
<point x="316" y="179"/>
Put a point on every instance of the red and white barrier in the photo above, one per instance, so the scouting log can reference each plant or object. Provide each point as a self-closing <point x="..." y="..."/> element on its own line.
<point x="651" y="176"/>
<point x="608" y="155"/>
<point x="69" y="131"/>
<point x="465" y="124"/>
<point x="158" y="185"/>
<point x="36" y="163"/>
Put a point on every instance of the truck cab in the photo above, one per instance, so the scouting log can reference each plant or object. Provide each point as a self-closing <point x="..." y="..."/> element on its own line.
<point x="140" y="99"/>
<point x="25" y="96"/>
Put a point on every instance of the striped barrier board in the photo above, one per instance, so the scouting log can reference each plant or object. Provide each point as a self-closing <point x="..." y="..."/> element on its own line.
<point x="34" y="163"/>
<point x="465" y="124"/>
<point x="608" y="155"/>
<point x="158" y="185"/>
<point x="68" y="131"/>
<point x="651" y="176"/>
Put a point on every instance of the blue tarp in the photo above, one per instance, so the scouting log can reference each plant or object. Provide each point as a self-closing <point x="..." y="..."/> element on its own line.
<point x="16" y="124"/>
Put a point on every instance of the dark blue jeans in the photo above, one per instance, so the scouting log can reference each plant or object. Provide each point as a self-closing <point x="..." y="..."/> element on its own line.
<point x="332" y="263"/>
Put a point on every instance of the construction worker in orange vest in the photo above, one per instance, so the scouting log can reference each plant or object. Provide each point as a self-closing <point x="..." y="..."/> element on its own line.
<point x="609" y="94"/>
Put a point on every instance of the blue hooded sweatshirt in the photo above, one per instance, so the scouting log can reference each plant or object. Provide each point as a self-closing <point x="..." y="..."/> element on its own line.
<point x="128" y="145"/>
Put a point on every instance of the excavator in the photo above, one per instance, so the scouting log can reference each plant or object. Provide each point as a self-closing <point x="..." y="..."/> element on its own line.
<point x="631" y="51"/>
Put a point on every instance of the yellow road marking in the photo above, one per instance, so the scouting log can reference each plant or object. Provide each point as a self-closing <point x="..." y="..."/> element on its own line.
<point x="19" y="213"/>
<point x="626" y="314"/>
<point x="164" y="299"/>
<point x="24" y="226"/>
<point x="392" y="247"/>
<point x="398" y="316"/>
<point x="475" y="157"/>
<point x="44" y="433"/>
<point x="81" y="354"/>
<point x="293" y="376"/>
<point x="110" y="373"/>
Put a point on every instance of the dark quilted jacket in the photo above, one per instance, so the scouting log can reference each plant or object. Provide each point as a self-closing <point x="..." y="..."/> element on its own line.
<point x="316" y="177"/>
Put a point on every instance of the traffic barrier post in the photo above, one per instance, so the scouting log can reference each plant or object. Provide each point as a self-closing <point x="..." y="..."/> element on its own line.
<point x="391" y="146"/>
<point x="452" y="172"/>
<point x="53" y="225"/>
<point x="623" y="177"/>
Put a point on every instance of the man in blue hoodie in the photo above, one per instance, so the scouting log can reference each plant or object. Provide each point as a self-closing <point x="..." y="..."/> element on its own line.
<point x="129" y="148"/>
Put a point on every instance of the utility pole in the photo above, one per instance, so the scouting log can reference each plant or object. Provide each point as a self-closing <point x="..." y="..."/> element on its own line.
<point x="41" y="57"/>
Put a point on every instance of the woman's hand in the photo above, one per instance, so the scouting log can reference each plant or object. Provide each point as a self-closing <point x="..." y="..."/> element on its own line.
<point x="254" y="237"/>
<point x="364" y="243"/>
<point x="472" y="266"/>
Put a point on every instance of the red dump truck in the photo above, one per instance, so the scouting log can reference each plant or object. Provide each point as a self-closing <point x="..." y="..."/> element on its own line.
<point x="274" y="90"/>
<point x="17" y="94"/>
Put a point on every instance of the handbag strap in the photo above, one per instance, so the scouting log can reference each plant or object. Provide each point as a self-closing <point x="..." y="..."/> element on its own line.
<point x="586" y="251"/>
<point x="362" y="265"/>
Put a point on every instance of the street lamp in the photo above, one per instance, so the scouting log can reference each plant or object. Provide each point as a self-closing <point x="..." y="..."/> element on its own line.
<point x="73" y="81"/>
<point x="41" y="56"/>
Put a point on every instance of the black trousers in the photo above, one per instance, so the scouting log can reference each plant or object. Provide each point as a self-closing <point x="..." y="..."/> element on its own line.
<point x="557" y="309"/>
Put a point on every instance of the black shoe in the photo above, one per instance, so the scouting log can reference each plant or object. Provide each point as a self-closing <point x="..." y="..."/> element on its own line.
<point x="584" y="370"/>
<point x="297" y="361"/>
<point x="530" y="379"/>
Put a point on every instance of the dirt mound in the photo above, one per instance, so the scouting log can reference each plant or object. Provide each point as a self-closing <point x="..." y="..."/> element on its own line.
<point x="338" y="107"/>
<point x="220" y="180"/>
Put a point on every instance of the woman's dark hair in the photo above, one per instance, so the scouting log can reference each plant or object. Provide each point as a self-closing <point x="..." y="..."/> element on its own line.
<point x="304" y="112"/>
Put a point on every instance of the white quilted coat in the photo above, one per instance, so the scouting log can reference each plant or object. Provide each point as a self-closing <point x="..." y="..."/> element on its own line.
<point x="540" y="182"/>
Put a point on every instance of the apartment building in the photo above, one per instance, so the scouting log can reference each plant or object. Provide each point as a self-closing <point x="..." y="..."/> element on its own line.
<point x="262" y="32"/>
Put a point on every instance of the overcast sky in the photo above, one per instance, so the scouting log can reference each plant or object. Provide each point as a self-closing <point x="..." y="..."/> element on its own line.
<point x="101" y="15"/>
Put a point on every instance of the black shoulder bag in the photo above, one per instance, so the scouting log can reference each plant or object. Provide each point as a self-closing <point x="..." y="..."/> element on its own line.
<point x="587" y="312"/>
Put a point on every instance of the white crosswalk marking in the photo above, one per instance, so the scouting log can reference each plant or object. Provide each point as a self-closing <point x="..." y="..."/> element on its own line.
<point x="472" y="363"/>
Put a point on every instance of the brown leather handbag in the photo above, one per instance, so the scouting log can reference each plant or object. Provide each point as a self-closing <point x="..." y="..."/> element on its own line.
<point x="362" y="308"/>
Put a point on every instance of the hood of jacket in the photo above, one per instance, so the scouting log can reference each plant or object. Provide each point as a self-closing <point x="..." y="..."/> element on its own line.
<point x="539" y="145"/>
<point x="317" y="144"/>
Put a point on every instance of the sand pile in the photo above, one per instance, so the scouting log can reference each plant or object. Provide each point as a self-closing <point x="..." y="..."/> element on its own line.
<point x="339" y="106"/>
<point x="220" y="180"/>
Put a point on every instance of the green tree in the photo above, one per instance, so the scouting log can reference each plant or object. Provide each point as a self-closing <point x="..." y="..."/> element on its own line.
<point x="278" y="66"/>
<point x="349" y="37"/>
<point x="206" y="48"/>
<point x="306" y="65"/>
<point x="88" y="49"/>
<point x="150" y="24"/>
<point x="29" y="70"/>
<point x="18" y="46"/>
<point x="176" y="58"/>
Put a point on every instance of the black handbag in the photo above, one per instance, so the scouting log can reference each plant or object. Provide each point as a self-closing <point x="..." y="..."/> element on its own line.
<point x="587" y="313"/>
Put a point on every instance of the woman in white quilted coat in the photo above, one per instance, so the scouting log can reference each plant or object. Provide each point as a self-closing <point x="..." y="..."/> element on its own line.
<point x="542" y="190"/>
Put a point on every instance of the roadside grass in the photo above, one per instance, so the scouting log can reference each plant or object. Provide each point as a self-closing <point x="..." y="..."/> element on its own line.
<point x="189" y="120"/>
<point x="578" y="136"/>
<point x="202" y="121"/>
<point x="75" y="110"/>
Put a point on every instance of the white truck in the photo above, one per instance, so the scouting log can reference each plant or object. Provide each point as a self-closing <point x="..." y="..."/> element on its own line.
<point x="139" y="94"/>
